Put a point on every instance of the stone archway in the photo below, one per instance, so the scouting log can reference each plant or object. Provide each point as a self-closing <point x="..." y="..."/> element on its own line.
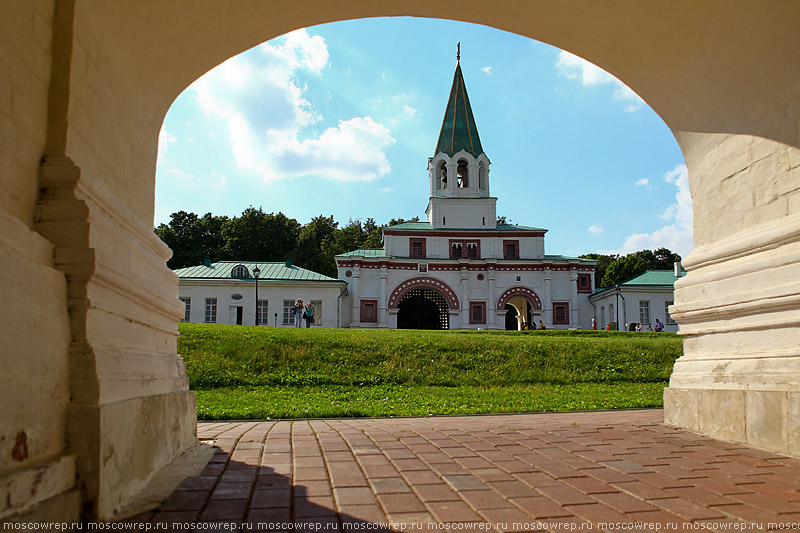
<point x="526" y="304"/>
<point x="95" y="306"/>
<point x="423" y="308"/>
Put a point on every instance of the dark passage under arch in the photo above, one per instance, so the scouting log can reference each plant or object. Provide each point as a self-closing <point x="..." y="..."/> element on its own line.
<point x="423" y="309"/>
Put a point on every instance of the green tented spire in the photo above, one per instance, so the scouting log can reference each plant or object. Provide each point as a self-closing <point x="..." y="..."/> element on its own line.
<point x="459" y="131"/>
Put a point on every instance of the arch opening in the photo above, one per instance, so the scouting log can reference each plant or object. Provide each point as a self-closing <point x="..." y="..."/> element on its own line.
<point x="423" y="308"/>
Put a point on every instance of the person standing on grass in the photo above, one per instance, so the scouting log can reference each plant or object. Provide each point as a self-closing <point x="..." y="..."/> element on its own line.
<point x="298" y="313"/>
<point x="308" y="314"/>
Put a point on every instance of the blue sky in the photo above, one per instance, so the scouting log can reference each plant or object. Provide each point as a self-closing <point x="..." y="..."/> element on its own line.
<point x="340" y="119"/>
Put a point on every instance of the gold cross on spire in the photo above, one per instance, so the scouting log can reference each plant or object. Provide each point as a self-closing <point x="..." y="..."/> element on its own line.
<point x="458" y="52"/>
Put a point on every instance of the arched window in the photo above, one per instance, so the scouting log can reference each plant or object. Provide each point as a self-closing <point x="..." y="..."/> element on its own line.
<point x="462" y="173"/>
<point x="240" y="271"/>
<point x="483" y="177"/>
<point x="442" y="175"/>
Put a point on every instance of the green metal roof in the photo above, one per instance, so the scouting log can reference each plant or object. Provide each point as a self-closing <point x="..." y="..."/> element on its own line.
<point x="269" y="272"/>
<point x="426" y="226"/>
<point x="459" y="131"/>
<point x="651" y="278"/>
<point x="365" y="252"/>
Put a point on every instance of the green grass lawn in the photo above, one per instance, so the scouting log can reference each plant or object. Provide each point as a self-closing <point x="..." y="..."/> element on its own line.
<point x="241" y="372"/>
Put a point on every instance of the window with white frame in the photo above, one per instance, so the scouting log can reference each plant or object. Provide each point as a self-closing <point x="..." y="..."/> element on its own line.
<point x="211" y="310"/>
<point x="262" y="312"/>
<point x="288" y="312"/>
<point x="644" y="311"/>
<point x="187" y="302"/>
<point x="603" y="317"/>
<point x="668" y="319"/>
<point x="240" y="271"/>
<point x="611" y="316"/>
<point x="317" y="305"/>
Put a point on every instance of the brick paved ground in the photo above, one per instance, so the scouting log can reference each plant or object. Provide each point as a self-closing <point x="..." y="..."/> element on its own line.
<point x="561" y="471"/>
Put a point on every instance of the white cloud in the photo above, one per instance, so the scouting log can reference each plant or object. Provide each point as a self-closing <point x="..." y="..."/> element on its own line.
<point x="589" y="74"/>
<point x="165" y="138"/>
<point x="487" y="70"/>
<point x="676" y="234"/>
<point x="409" y="111"/>
<point x="264" y="105"/>
<point x="594" y="229"/>
<point x="178" y="173"/>
<point x="644" y="182"/>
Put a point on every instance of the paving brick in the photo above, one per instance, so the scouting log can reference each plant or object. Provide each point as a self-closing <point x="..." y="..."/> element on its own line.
<point x="354" y="496"/>
<point x="231" y="491"/>
<point x="435" y="493"/>
<point x="453" y="511"/>
<point x="310" y="474"/>
<point x="185" y="500"/>
<point x="464" y="482"/>
<point x="514" y="489"/>
<point x="624" y="503"/>
<point x="273" y="481"/>
<point x="588" y="485"/>
<point x="380" y="471"/>
<point x="564" y="495"/>
<point x="701" y="495"/>
<point x="400" y="503"/>
<point x="768" y="503"/>
<point x="270" y="498"/>
<point x="267" y="516"/>
<point x="687" y="510"/>
<point x="643" y="491"/>
<point x="484" y="499"/>
<point x="361" y="514"/>
<point x="504" y="518"/>
<point x="389" y="485"/>
<point x="598" y="513"/>
<point x="224" y="510"/>
<point x="416" y="477"/>
<point x="313" y="506"/>
<point x="492" y="474"/>
<point x="540" y="507"/>
<point x="404" y="465"/>
<point x="537" y="479"/>
<point x="198" y="483"/>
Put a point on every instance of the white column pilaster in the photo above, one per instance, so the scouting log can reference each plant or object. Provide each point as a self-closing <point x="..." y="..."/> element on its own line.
<point x="548" y="298"/>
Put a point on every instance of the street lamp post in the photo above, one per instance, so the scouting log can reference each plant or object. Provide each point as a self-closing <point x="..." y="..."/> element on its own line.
<point x="256" y="272"/>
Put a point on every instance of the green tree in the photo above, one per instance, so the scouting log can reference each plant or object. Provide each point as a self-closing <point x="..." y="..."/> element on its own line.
<point x="193" y="238"/>
<point x="309" y="253"/>
<point x="258" y="236"/>
<point x="602" y="265"/>
<point x="631" y="265"/>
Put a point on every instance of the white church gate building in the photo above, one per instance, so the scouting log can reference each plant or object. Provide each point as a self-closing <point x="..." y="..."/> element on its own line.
<point x="460" y="269"/>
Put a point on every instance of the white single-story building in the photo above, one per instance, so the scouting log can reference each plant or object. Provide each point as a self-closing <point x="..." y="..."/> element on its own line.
<point x="641" y="299"/>
<point x="225" y="293"/>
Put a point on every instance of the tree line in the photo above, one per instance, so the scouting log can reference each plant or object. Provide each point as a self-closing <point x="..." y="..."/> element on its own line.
<point x="260" y="236"/>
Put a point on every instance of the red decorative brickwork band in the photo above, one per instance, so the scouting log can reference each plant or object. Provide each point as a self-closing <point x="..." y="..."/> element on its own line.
<point x="423" y="283"/>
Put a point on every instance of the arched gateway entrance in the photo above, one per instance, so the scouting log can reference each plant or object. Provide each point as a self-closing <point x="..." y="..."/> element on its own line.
<point x="95" y="396"/>
<point x="423" y="309"/>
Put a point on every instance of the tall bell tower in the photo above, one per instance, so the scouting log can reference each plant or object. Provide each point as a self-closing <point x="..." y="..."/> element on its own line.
<point x="459" y="170"/>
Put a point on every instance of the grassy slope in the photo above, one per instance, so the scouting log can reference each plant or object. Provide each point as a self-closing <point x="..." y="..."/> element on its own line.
<point x="248" y="372"/>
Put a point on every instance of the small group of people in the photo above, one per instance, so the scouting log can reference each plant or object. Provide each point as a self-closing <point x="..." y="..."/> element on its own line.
<point x="532" y="327"/>
<point x="634" y="326"/>
<point x="303" y="312"/>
